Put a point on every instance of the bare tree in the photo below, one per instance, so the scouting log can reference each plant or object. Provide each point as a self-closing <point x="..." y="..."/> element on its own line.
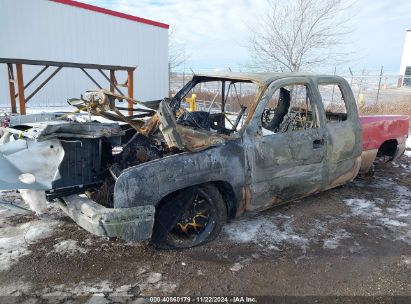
<point x="299" y="34"/>
<point x="176" y="52"/>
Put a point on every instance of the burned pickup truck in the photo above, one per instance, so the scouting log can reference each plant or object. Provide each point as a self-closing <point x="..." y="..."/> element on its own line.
<point x="174" y="175"/>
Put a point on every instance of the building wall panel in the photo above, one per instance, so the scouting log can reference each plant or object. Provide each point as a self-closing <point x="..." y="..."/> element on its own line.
<point x="46" y="30"/>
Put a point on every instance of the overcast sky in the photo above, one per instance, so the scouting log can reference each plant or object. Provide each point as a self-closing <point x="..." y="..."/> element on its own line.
<point x="215" y="31"/>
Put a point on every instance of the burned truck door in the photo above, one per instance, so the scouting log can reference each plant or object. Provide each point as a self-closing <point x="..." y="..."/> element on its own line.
<point x="287" y="161"/>
<point x="344" y="130"/>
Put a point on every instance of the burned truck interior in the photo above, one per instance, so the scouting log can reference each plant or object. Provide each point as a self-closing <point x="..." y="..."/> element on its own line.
<point x="290" y="108"/>
<point x="226" y="108"/>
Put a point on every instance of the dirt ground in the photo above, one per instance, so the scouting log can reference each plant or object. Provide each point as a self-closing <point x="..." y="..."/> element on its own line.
<point x="350" y="241"/>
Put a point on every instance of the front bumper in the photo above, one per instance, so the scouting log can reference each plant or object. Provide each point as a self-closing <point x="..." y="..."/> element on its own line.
<point x="130" y="224"/>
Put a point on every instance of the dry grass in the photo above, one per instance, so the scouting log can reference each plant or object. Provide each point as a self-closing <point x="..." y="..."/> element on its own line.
<point x="393" y="108"/>
<point x="399" y="107"/>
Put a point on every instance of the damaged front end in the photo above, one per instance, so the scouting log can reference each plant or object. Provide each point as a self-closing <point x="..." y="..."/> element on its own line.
<point x="75" y="159"/>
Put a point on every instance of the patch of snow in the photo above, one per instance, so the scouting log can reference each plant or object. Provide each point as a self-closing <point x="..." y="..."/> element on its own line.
<point x="273" y="247"/>
<point x="18" y="288"/>
<point x="406" y="260"/>
<point x="334" y="241"/>
<point x="68" y="247"/>
<point x="99" y="290"/>
<point x="391" y="222"/>
<point x="364" y="208"/>
<point x="390" y="185"/>
<point x="154" y="277"/>
<point x="80" y="289"/>
<point x="392" y="215"/>
<point x="15" y="240"/>
<point x="236" y="267"/>
<point x="407" y="153"/>
<point x="270" y="231"/>
<point x="406" y="237"/>
<point x="408" y="142"/>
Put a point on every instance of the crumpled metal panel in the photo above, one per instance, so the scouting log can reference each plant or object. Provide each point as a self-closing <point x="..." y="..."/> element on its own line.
<point x="54" y="129"/>
<point x="185" y="138"/>
<point x="28" y="164"/>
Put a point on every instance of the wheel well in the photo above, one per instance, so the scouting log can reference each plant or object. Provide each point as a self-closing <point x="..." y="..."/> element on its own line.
<point x="226" y="191"/>
<point x="388" y="148"/>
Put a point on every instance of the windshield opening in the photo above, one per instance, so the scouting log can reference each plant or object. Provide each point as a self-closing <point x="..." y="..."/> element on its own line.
<point x="214" y="104"/>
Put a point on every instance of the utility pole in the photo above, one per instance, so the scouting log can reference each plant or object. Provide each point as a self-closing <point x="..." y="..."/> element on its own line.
<point x="379" y="84"/>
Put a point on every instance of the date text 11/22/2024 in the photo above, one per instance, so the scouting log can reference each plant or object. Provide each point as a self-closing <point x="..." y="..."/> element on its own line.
<point x="203" y="299"/>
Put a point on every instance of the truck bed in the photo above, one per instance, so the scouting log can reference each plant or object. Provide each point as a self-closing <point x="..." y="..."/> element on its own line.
<point x="377" y="129"/>
<point x="383" y="136"/>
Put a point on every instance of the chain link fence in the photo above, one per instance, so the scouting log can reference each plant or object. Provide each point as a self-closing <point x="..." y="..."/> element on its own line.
<point x="367" y="88"/>
<point x="375" y="93"/>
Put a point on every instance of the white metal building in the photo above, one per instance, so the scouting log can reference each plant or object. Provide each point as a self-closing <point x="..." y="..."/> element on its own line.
<point x="70" y="31"/>
<point x="405" y="69"/>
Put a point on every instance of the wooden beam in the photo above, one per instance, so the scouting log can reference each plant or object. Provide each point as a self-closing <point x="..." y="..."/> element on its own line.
<point x="111" y="83"/>
<point x="67" y="64"/>
<point x="43" y="83"/>
<point x="20" y="85"/>
<point x="12" y="88"/>
<point x="91" y="78"/>
<point x="130" y="82"/>
<point x="112" y="80"/>
<point x="34" y="78"/>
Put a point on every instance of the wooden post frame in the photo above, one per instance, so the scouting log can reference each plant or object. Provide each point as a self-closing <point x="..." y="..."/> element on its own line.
<point x="112" y="80"/>
<point x="130" y="86"/>
<point x="20" y="84"/>
<point x="59" y="65"/>
<point x="12" y="88"/>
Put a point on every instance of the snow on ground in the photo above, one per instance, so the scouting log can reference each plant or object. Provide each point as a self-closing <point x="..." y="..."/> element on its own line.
<point x="334" y="241"/>
<point x="146" y="284"/>
<point x="278" y="231"/>
<point x="69" y="247"/>
<point x="408" y="142"/>
<point x="15" y="239"/>
<point x="394" y="215"/>
<point x="266" y="231"/>
<point x="18" y="288"/>
<point x="364" y="208"/>
<point x="408" y="146"/>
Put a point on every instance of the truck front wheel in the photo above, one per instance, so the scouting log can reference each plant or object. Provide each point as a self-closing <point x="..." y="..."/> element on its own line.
<point x="190" y="218"/>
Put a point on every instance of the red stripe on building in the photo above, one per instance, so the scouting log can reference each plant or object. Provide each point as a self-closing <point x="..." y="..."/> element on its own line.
<point x="111" y="13"/>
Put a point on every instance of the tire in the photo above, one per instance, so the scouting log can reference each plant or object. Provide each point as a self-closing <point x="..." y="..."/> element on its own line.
<point x="201" y="206"/>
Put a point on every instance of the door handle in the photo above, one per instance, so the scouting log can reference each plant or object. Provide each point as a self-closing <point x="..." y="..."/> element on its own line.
<point x="318" y="143"/>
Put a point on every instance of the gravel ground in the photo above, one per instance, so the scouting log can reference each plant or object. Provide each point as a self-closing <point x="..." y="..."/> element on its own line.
<point x="350" y="241"/>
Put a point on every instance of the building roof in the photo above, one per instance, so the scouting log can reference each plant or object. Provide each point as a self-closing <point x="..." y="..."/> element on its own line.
<point x="112" y="13"/>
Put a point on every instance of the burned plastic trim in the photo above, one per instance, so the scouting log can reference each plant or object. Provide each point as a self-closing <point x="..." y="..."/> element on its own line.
<point x="135" y="223"/>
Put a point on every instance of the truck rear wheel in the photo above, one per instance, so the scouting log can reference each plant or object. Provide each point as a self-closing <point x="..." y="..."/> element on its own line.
<point x="200" y="219"/>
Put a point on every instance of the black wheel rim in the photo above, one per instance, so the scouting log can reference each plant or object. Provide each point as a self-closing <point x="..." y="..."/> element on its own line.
<point x="196" y="223"/>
